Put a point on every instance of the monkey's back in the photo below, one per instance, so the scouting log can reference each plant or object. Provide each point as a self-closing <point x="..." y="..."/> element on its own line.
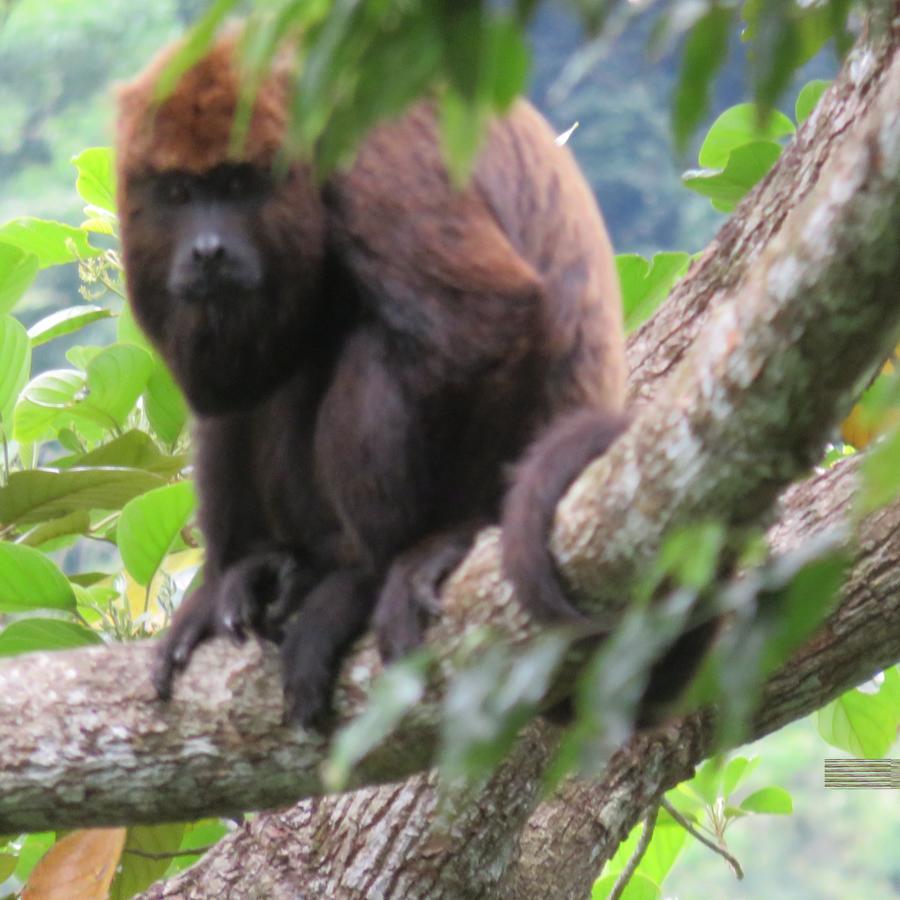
<point x="526" y="217"/>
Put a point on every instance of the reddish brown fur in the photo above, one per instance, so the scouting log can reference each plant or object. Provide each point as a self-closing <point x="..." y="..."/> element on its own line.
<point x="357" y="413"/>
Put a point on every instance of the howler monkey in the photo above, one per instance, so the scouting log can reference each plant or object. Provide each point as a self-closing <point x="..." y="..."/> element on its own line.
<point x="366" y="358"/>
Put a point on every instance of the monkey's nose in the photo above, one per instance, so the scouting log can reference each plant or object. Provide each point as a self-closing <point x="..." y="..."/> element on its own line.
<point x="208" y="247"/>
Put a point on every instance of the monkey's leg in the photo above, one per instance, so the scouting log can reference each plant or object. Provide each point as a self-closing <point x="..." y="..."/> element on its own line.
<point x="331" y="617"/>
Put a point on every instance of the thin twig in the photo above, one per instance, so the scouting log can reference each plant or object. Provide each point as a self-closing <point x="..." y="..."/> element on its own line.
<point x="188" y="851"/>
<point x="636" y="857"/>
<point x="690" y="829"/>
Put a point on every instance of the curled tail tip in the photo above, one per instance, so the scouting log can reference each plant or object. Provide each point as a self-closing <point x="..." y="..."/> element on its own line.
<point x="546" y="471"/>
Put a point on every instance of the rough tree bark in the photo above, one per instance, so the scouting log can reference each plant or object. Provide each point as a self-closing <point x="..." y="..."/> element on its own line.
<point x="768" y="355"/>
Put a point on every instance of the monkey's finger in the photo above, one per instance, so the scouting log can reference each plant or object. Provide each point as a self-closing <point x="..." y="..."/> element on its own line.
<point x="176" y="651"/>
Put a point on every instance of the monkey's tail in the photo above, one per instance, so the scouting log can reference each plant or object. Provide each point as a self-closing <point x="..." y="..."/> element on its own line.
<point x="540" y="479"/>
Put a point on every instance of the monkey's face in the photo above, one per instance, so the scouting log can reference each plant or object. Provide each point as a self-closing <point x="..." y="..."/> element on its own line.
<point x="222" y="268"/>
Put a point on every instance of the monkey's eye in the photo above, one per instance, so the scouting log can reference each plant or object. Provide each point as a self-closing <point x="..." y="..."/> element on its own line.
<point x="239" y="183"/>
<point x="175" y="190"/>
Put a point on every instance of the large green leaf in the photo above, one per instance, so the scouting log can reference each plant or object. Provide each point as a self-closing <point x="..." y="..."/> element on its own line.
<point x="41" y="494"/>
<point x="66" y="321"/>
<point x="17" y="271"/>
<point x="53" y="243"/>
<point x="78" y="522"/>
<point x="116" y="377"/>
<point x="128" y="331"/>
<point x="775" y="801"/>
<point x="149" y="525"/>
<point x="134" y="450"/>
<point x="47" y="404"/>
<point x="727" y="187"/>
<point x="29" y="580"/>
<point x="705" y="50"/>
<point x="864" y="724"/>
<point x="28" y="635"/>
<point x="147" y="855"/>
<point x="737" y="126"/>
<point x="96" y="183"/>
<point x="15" y="366"/>
<point x="165" y="405"/>
<point x="103" y="397"/>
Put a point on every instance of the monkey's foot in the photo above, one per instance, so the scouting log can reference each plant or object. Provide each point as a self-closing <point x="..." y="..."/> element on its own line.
<point x="411" y="595"/>
<point x="259" y="592"/>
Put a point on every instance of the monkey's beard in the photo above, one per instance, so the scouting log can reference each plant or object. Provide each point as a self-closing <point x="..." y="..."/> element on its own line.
<point x="228" y="354"/>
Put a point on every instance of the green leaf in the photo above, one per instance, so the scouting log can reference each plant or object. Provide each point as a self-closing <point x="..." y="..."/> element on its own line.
<point x="34" y="846"/>
<point x="53" y="243"/>
<point x="48" y="404"/>
<point x="66" y="321"/>
<point x="78" y="522"/>
<point x="149" y="525"/>
<point x="646" y="284"/>
<point x="165" y="405"/>
<point x="808" y="98"/>
<point x="665" y="847"/>
<point x="772" y="800"/>
<point x="116" y="377"/>
<point x="129" y="332"/>
<point x="881" y="473"/>
<point x="200" y="836"/>
<point x="17" y="271"/>
<point x="491" y="699"/>
<point x="96" y="182"/>
<point x="461" y="133"/>
<point x="727" y="187"/>
<point x="861" y="723"/>
<point x="194" y="47"/>
<point x="464" y="29"/>
<point x="8" y="864"/>
<point x="29" y="580"/>
<point x="133" y="450"/>
<point x="737" y="126"/>
<point x="29" y="635"/>
<point x="15" y="366"/>
<point x="640" y="887"/>
<point x="705" y="50"/>
<point x="508" y="62"/>
<point x="140" y="869"/>
<point x="736" y="770"/>
<point x="708" y="780"/>
<point x="394" y="693"/>
<point x="41" y="494"/>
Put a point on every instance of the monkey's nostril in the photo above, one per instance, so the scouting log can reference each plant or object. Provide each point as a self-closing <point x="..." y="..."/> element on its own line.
<point x="208" y="247"/>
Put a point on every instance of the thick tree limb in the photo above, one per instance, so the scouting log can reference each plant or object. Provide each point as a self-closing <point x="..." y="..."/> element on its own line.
<point x="400" y="850"/>
<point x="741" y="416"/>
<point x="571" y="836"/>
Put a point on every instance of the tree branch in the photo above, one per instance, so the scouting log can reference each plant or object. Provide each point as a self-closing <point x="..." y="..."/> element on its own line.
<point x="401" y="849"/>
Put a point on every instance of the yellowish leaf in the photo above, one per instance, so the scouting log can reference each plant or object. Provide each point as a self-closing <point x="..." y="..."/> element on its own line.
<point x="79" y="867"/>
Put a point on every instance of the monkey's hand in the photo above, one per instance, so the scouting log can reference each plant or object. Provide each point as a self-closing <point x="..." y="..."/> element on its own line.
<point x="256" y="594"/>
